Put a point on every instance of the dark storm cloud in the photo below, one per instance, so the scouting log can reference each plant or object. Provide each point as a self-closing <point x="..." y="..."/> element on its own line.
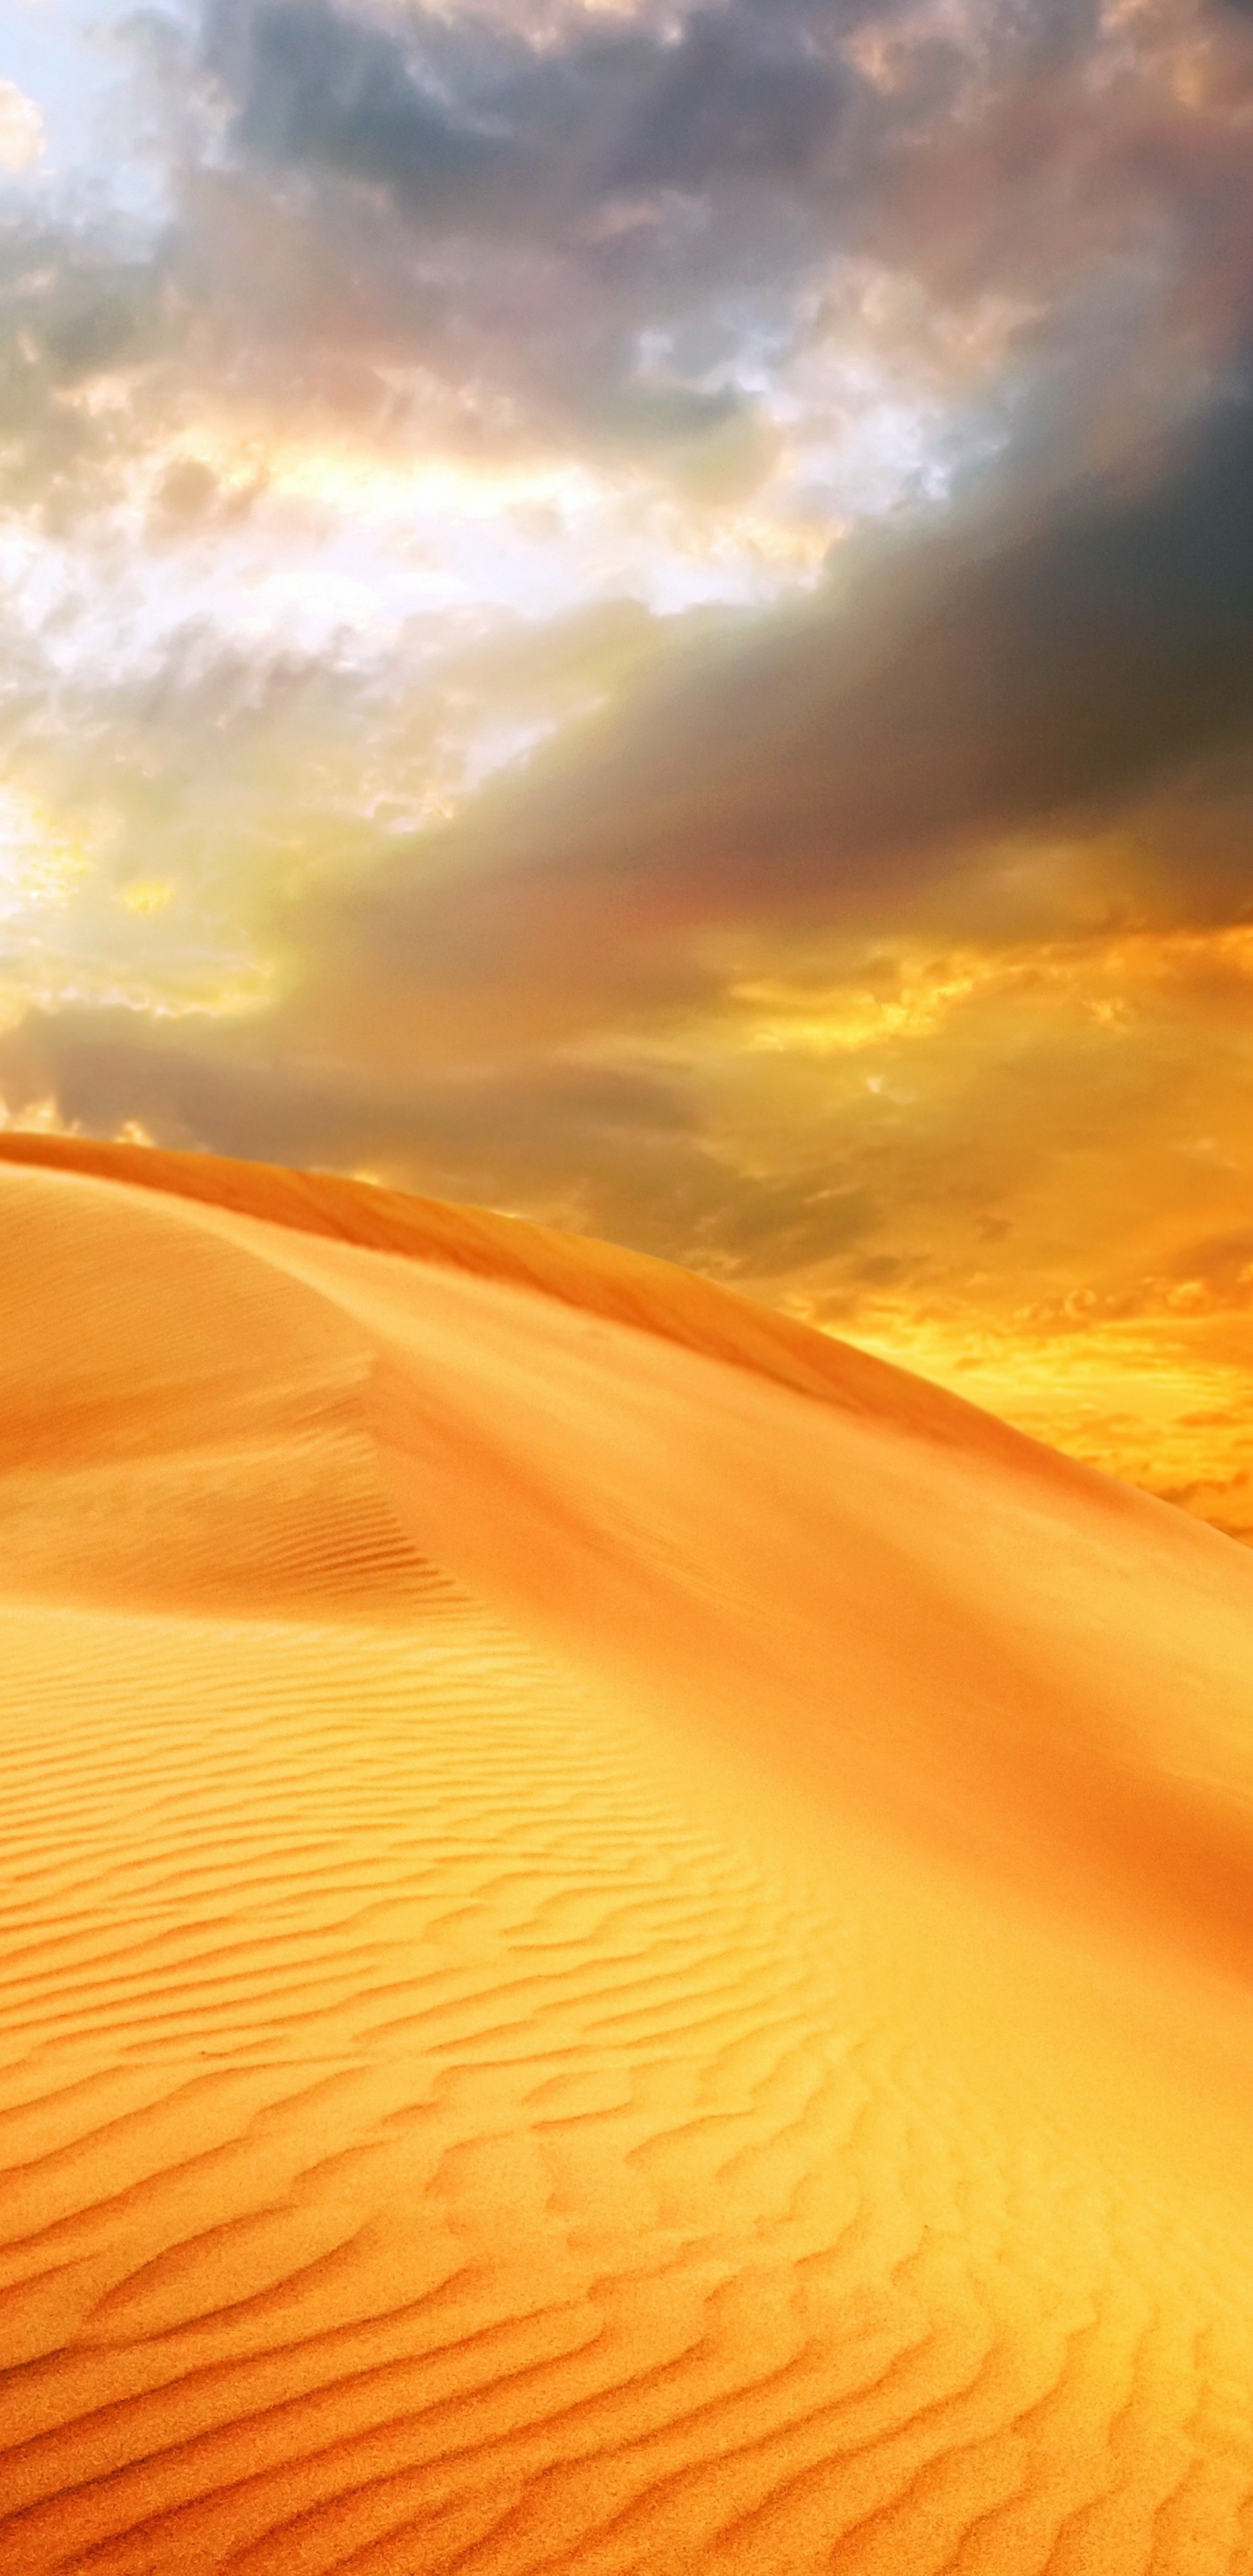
<point x="742" y="92"/>
<point x="522" y="213"/>
<point x="822" y="769"/>
<point x="446" y="113"/>
<point x="518" y="214"/>
<point x="318" y="86"/>
<point x="466" y="119"/>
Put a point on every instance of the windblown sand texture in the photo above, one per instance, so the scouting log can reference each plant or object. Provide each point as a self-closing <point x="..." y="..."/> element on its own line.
<point x="627" y="1937"/>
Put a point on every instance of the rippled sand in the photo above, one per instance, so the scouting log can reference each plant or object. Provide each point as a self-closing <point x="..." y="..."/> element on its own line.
<point x="627" y="1937"/>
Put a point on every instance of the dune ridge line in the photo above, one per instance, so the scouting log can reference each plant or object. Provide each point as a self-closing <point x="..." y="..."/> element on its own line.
<point x="604" y="1279"/>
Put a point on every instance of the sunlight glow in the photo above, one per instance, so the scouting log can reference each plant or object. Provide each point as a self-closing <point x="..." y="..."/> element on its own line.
<point x="41" y="867"/>
<point x="21" y="129"/>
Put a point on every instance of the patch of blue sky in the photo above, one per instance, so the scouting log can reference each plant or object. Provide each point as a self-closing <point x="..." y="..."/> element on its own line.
<point x="80" y="68"/>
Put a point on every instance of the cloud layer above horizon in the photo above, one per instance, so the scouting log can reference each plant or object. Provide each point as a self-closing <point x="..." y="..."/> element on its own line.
<point x="646" y="614"/>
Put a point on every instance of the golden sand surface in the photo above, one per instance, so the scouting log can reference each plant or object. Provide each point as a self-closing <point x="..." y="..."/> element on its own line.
<point x="627" y="1937"/>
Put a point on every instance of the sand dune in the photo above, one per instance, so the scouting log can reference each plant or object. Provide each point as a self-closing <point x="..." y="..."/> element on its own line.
<point x="627" y="1937"/>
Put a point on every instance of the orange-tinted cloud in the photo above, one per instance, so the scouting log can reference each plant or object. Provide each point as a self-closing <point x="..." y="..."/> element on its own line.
<point x="825" y="770"/>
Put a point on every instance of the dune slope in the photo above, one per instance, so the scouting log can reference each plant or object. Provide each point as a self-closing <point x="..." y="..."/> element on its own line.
<point x="627" y="1938"/>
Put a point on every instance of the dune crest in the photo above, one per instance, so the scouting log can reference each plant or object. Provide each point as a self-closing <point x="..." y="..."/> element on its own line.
<point x="628" y="1937"/>
<point x="597" y="1278"/>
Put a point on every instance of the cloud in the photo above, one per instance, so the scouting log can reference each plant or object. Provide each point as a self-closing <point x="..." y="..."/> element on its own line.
<point x="823" y="769"/>
<point x="663" y="235"/>
<point x="21" y="128"/>
<point x="448" y="113"/>
<point x="197" y="1086"/>
<point x="525" y="202"/>
<point x="598" y="229"/>
<point x="763" y="270"/>
<point x="542" y="203"/>
<point x="318" y="85"/>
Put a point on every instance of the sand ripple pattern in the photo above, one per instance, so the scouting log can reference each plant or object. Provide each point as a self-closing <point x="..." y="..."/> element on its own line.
<point x="613" y="1964"/>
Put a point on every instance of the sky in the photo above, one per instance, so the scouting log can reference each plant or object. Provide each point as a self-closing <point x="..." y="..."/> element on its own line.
<point x="644" y="614"/>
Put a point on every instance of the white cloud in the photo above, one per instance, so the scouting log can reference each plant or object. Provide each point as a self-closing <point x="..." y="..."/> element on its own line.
<point x="21" y="129"/>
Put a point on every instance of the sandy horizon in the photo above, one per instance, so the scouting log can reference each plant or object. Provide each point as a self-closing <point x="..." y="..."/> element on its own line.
<point x="627" y="1934"/>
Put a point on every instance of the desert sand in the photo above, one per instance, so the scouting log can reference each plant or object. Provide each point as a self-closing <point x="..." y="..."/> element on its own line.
<point x="627" y="1936"/>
